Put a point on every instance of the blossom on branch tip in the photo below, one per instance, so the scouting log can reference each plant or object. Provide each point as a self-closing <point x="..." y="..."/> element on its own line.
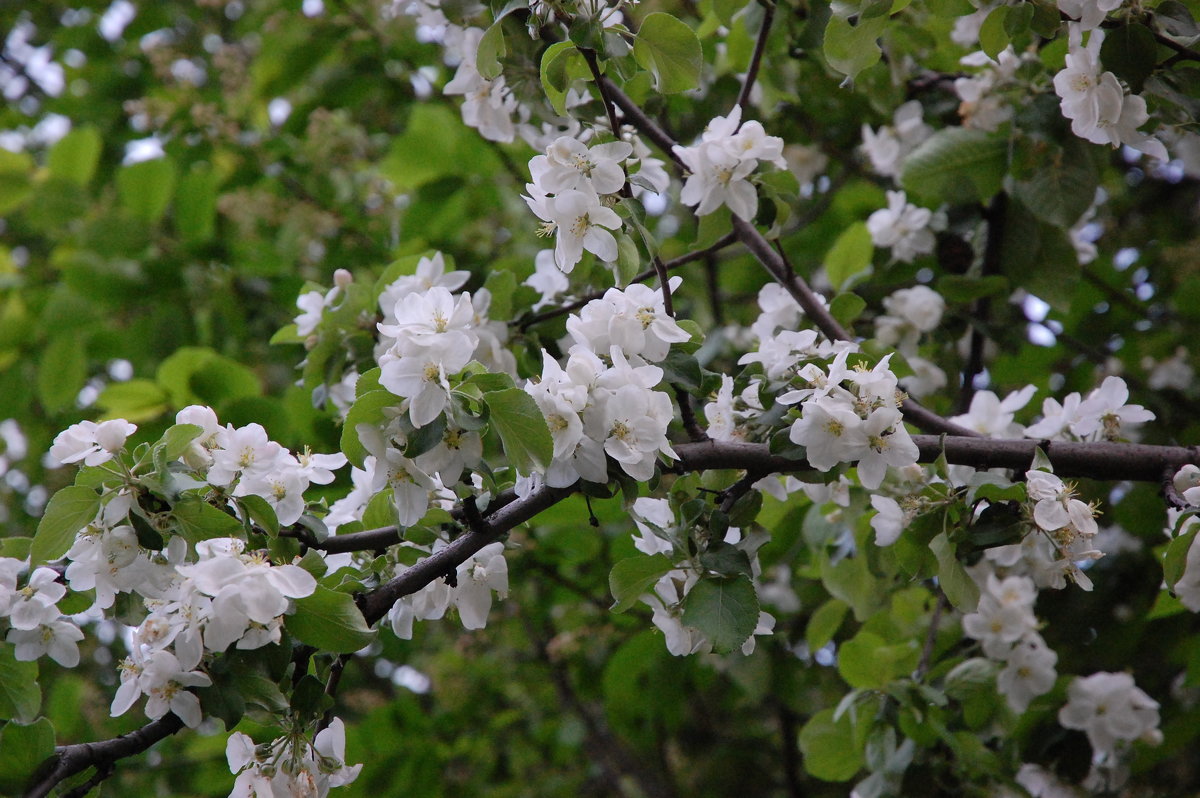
<point x="91" y="443"/>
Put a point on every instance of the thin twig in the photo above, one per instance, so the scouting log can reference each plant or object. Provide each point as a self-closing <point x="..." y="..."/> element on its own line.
<point x="992" y="254"/>
<point x="670" y="265"/>
<point x="931" y="636"/>
<point x="760" y="47"/>
<point x="589" y="56"/>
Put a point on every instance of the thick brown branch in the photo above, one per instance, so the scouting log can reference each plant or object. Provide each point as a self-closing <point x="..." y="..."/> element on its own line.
<point x="69" y="760"/>
<point x="1100" y="460"/>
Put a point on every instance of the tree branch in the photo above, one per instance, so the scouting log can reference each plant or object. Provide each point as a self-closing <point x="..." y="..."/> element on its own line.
<point x="1098" y="460"/>
<point x="670" y="265"/>
<point x="760" y="47"/>
<point x="993" y="250"/>
<point x="69" y="760"/>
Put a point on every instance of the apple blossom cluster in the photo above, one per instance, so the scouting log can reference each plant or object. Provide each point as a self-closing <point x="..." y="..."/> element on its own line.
<point x="427" y="336"/>
<point x="570" y="184"/>
<point x="36" y="628"/>
<point x="603" y="401"/>
<point x="887" y="147"/>
<point x="1099" y="107"/>
<point x="721" y="164"/>
<point x="910" y="313"/>
<point x="1182" y="522"/>
<point x="290" y="766"/>
<point x="984" y="105"/>
<point x="1006" y="628"/>
<point x="904" y="228"/>
<point x="1113" y="712"/>
<point x="660" y="533"/>
<point x="851" y="415"/>
<point x="197" y="605"/>
<point x="469" y="592"/>
<point x="1068" y="523"/>
<point x="1104" y="414"/>
<point x="488" y="105"/>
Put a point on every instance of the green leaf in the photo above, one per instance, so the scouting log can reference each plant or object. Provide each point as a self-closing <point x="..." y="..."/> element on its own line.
<point x="134" y="400"/>
<point x="847" y="307"/>
<point x="852" y="48"/>
<point x="824" y="623"/>
<point x="1062" y="185"/>
<point x="69" y="510"/>
<point x="425" y="438"/>
<point x="670" y="51"/>
<point x="491" y="50"/>
<point x="831" y="749"/>
<point x="1131" y="53"/>
<point x="555" y="73"/>
<point x="1175" y="560"/>
<point x="956" y="165"/>
<point x="501" y="284"/>
<point x="961" y="289"/>
<point x="74" y="157"/>
<point x="330" y="621"/>
<point x="436" y="145"/>
<point x="629" y="260"/>
<point x="993" y="34"/>
<point x="724" y="610"/>
<point x="725" y="559"/>
<point x="261" y="513"/>
<point x="198" y="375"/>
<point x="522" y="429"/>
<point x="145" y="188"/>
<point x="16" y="547"/>
<point x="20" y="693"/>
<point x="866" y="661"/>
<point x="1176" y="19"/>
<point x="850" y="255"/>
<point x="633" y="577"/>
<point x="367" y="409"/>
<point x="196" y="204"/>
<point x="22" y="749"/>
<point x="1039" y="257"/>
<point x="62" y="371"/>
<point x="381" y="510"/>
<point x="16" y="185"/>
<point x="175" y="441"/>
<point x="682" y="369"/>
<point x="198" y="520"/>
<point x="955" y="582"/>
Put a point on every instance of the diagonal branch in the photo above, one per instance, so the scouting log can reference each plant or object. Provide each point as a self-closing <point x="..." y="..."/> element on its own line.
<point x="760" y="46"/>
<point x="69" y="760"/>
<point x="670" y="265"/>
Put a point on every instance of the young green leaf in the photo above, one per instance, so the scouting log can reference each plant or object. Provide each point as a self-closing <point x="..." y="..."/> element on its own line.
<point x="724" y="610"/>
<point x="330" y="621"/>
<point x="670" y="51"/>
<point x="633" y="577"/>
<point x="522" y="429"/>
<point x="850" y="255"/>
<point x="69" y="510"/>
<point x="23" y="748"/>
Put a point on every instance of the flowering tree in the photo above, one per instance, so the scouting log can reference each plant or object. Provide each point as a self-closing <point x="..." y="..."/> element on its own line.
<point x="819" y="371"/>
